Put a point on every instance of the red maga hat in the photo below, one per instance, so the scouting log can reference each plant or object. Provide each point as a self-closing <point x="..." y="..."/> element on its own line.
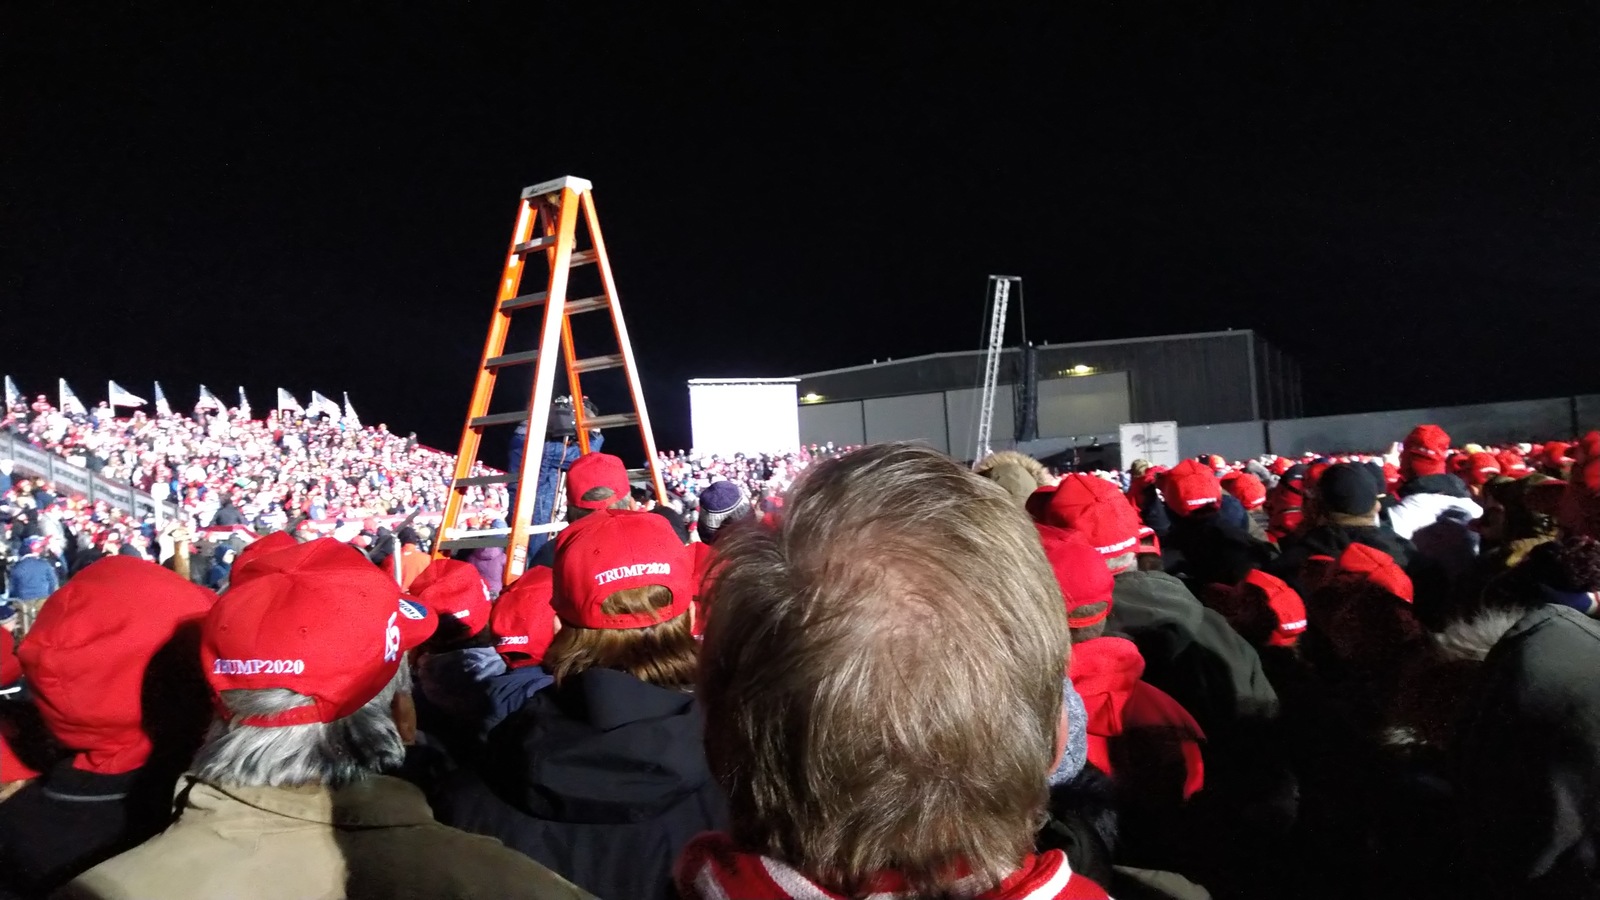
<point x="612" y="550"/>
<point x="86" y="657"/>
<point x="1189" y="486"/>
<point x="1378" y="567"/>
<point x="1082" y="574"/>
<point x="319" y="620"/>
<point x="1286" y="605"/>
<point x="454" y="589"/>
<point x="1097" y="511"/>
<point x="523" y="619"/>
<point x="596" y="470"/>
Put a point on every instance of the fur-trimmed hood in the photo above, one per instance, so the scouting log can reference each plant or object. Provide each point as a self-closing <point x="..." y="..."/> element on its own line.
<point x="1427" y="705"/>
<point x="1019" y="473"/>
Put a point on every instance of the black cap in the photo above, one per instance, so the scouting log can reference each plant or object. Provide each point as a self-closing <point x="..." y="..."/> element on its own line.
<point x="1348" y="489"/>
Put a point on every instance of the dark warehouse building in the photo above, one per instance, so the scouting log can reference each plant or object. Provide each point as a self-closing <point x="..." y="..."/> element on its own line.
<point x="1062" y="394"/>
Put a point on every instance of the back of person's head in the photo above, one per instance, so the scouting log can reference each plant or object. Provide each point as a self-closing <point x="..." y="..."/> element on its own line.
<point x="622" y="586"/>
<point x="1347" y="494"/>
<point x="112" y="665"/>
<point x="1086" y="584"/>
<point x="722" y="503"/>
<point x="1019" y="473"/>
<point x="305" y="655"/>
<point x="883" y="675"/>
<point x="597" y="481"/>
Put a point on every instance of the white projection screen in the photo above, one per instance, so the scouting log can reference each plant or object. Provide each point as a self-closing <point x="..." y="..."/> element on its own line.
<point x="744" y="415"/>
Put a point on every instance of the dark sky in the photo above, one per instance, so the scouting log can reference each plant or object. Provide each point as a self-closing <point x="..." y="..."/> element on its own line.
<point x="318" y="195"/>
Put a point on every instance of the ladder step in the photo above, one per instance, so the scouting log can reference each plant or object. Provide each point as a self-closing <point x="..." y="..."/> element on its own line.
<point x="638" y="474"/>
<point x="613" y="421"/>
<point x="584" y="257"/>
<point x="535" y="245"/>
<point x="491" y="537"/>
<point x="599" y="363"/>
<point x="523" y="302"/>
<point x="481" y="480"/>
<point x="580" y="305"/>
<point x="510" y="418"/>
<point x="556" y="184"/>
<point x="511" y="359"/>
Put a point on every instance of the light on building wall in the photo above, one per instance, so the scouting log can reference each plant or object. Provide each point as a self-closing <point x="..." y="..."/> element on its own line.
<point x="1081" y="369"/>
<point x="812" y="397"/>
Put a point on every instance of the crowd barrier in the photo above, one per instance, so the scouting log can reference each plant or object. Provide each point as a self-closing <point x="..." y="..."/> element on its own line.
<point x="36" y="463"/>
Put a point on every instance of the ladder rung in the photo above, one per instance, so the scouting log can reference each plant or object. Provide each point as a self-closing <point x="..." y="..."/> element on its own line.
<point x="474" y="543"/>
<point x="580" y="305"/>
<point x="613" y="421"/>
<point x="481" y="480"/>
<point x="638" y="474"/>
<point x="511" y="359"/>
<point x="584" y="257"/>
<point x="585" y="304"/>
<point x="535" y="245"/>
<point x="494" y="537"/>
<point x="599" y="363"/>
<point x="523" y="302"/>
<point x="510" y="418"/>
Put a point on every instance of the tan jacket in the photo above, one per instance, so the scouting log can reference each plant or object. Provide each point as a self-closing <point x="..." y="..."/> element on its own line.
<point x="376" y="838"/>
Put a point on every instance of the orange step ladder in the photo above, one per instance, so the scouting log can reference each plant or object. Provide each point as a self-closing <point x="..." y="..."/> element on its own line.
<point x="546" y="226"/>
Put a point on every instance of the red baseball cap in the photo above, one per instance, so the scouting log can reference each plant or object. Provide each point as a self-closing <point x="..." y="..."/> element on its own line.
<point x="1481" y="467"/>
<point x="1247" y="488"/>
<point x="1286" y="605"/>
<point x="1081" y="571"/>
<point x="1378" y="567"/>
<point x="596" y="470"/>
<point x="1189" y="486"/>
<point x="613" y="550"/>
<point x="454" y="589"/>
<point x="1097" y="510"/>
<point x="319" y="620"/>
<point x="523" y="619"/>
<point x="87" y="654"/>
<point x="243" y="564"/>
<point x="1425" y="450"/>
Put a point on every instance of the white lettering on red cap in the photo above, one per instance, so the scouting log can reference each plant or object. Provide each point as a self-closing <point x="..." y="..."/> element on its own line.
<point x="1293" y="626"/>
<point x="391" y="639"/>
<point x="258" y="666"/>
<point x="633" y="571"/>
<point x="514" y="639"/>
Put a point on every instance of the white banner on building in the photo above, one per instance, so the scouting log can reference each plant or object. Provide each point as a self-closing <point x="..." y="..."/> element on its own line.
<point x="1154" y="441"/>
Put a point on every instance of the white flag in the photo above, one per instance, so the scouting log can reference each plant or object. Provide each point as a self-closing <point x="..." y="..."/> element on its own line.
<point x="69" y="401"/>
<point x="321" y="404"/>
<point x="350" y="412"/>
<point x="163" y="408"/>
<point x="207" y="400"/>
<point x="286" y="400"/>
<point x="121" y="396"/>
<point x="244" y="404"/>
<point x="13" y="396"/>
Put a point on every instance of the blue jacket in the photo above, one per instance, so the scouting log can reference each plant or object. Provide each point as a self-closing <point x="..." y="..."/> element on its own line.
<point x="33" y="578"/>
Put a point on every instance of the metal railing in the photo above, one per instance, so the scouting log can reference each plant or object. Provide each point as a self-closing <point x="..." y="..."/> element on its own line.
<point x="35" y="462"/>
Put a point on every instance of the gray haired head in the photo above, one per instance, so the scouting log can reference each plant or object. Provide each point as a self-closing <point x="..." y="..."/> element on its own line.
<point x="335" y="754"/>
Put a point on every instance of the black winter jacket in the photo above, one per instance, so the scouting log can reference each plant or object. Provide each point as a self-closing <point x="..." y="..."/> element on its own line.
<point x="1528" y="763"/>
<point x="68" y="821"/>
<point x="602" y="779"/>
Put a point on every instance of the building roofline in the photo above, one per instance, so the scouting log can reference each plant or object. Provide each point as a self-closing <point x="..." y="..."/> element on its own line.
<point x="1242" y="332"/>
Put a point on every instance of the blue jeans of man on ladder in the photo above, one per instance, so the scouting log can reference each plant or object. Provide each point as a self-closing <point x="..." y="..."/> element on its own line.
<point x="557" y="458"/>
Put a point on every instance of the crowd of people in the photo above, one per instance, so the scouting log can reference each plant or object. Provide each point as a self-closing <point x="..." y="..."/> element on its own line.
<point x="843" y="673"/>
<point x="266" y="470"/>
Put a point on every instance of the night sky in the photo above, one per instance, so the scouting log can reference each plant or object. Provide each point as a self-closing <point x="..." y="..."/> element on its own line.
<point x="318" y="195"/>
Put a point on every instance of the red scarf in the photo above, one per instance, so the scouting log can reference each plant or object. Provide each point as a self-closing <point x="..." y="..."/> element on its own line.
<point x="712" y="867"/>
